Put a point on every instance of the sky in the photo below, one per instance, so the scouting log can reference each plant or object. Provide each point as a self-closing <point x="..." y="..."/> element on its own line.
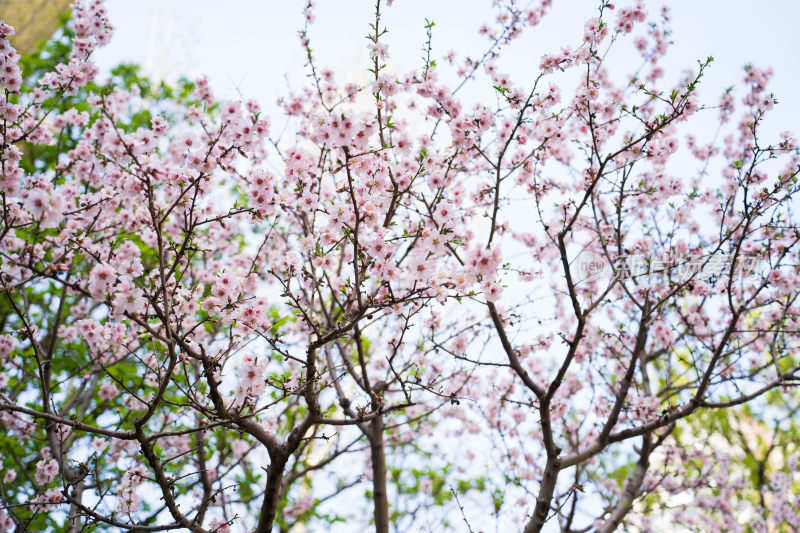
<point x="250" y="49"/>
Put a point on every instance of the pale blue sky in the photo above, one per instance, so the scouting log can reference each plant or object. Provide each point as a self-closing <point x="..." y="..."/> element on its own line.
<point x="250" y="47"/>
<point x="252" y="44"/>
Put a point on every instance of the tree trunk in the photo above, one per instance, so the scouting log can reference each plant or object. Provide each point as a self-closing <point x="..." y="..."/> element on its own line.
<point x="74" y="517"/>
<point x="633" y="488"/>
<point x="381" y="500"/>
<point x="545" y="496"/>
<point x="272" y="494"/>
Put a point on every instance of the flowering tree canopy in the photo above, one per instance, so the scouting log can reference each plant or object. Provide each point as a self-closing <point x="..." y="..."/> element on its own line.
<point x="389" y="305"/>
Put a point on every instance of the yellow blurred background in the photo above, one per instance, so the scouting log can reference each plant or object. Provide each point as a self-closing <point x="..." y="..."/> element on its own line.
<point x="34" y="20"/>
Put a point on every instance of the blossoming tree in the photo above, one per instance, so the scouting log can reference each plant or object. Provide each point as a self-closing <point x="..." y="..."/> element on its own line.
<point x="208" y="326"/>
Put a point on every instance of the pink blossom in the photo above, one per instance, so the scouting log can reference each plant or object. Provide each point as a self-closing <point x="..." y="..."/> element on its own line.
<point x="128" y="501"/>
<point x="239" y="448"/>
<point x="46" y="471"/>
<point x="251" y="380"/>
<point x="492" y="290"/>
<point x="101" y="278"/>
<point x="108" y="391"/>
<point x="46" y="206"/>
<point x="6" y="522"/>
<point x="6" y="345"/>
<point x="217" y="525"/>
<point x="129" y="300"/>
